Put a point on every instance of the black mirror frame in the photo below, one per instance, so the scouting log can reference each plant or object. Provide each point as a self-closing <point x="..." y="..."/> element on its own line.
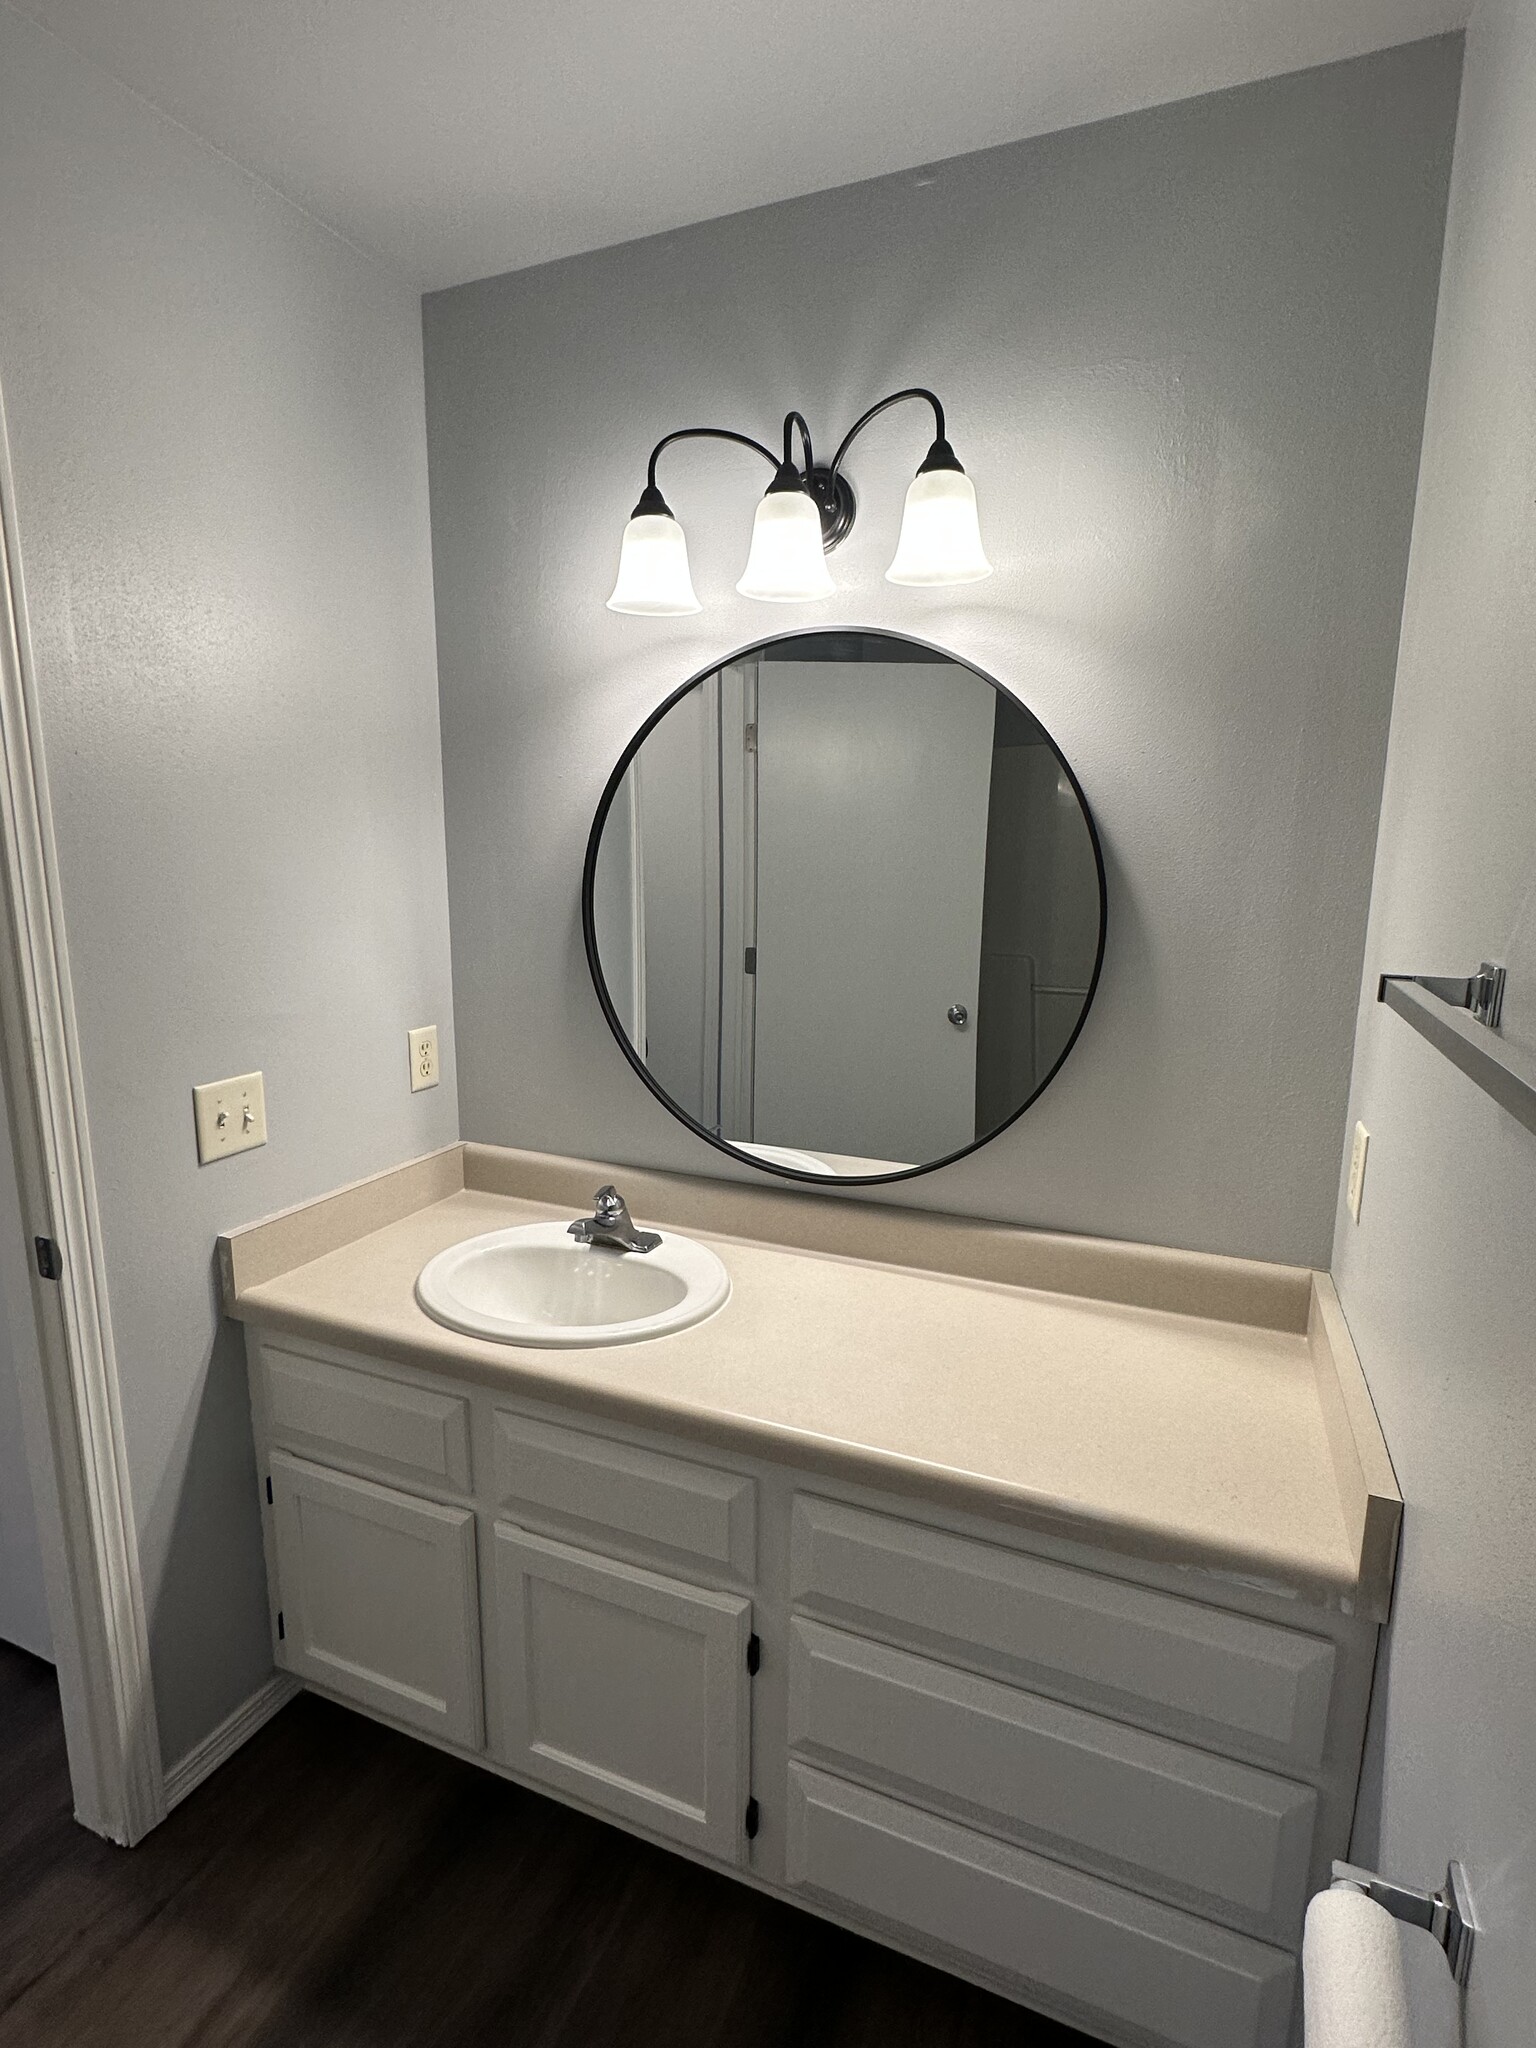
<point x="594" y="964"/>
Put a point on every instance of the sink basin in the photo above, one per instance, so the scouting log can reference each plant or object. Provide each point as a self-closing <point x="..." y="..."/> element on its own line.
<point x="536" y="1284"/>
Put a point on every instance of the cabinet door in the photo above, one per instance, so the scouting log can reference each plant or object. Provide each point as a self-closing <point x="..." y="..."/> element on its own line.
<point x="378" y="1597"/>
<point x="625" y="1689"/>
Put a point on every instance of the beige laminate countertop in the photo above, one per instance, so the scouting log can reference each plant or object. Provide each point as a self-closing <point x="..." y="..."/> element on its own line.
<point x="1108" y="1406"/>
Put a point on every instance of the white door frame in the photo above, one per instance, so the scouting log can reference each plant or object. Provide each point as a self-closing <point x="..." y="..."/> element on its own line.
<point x="70" y="1396"/>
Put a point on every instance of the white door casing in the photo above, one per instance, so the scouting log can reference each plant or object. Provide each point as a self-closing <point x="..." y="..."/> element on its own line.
<point x="68" y="1380"/>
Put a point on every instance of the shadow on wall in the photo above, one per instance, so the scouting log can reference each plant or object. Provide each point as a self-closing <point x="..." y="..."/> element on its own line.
<point x="1439" y="2010"/>
<point x="205" y="1578"/>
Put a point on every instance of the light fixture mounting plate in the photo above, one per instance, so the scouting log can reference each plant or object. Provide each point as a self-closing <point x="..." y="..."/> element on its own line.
<point x="834" y="500"/>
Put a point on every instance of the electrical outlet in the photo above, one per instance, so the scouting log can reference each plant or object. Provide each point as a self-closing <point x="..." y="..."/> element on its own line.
<point x="1357" y="1169"/>
<point x="424" y="1068"/>
<point x="231" y="1116"/>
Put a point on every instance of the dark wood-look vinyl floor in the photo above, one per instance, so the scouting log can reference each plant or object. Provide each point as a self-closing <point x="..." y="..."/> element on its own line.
<point x="339" y="1886"/>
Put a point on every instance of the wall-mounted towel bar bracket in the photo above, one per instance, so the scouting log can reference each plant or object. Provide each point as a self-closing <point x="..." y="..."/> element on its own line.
<point x="1481" y="993"/>
<point x="1446" y="1914"/>
<point x="1460" y="1018"/>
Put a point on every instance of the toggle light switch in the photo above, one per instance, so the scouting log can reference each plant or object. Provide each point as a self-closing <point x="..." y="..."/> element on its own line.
<point x="231" y="1116"/>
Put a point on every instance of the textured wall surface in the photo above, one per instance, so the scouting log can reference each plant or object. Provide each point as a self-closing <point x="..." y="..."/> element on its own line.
<point x="1185" y="357"/>
<point x="1439" y="1278"/>
<point x="216" y="423"/>
<point x="23" y="1601"/>
<point x="456" y="141"/>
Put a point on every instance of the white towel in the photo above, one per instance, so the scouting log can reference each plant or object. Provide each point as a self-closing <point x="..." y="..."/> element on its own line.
<point x="1352" y="1967"/>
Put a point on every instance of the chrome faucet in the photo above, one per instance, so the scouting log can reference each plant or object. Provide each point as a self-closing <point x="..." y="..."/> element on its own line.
<point x="611" y="1224"/>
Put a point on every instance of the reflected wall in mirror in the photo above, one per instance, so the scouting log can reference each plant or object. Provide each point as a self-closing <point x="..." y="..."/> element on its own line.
<point x="844" y="905"/>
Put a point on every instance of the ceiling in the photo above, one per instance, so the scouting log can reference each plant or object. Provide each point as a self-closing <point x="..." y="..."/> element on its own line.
<point x="456" y="138"/>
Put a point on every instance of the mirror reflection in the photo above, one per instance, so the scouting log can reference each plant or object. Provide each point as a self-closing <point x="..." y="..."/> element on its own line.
<point x="844" y="905"/>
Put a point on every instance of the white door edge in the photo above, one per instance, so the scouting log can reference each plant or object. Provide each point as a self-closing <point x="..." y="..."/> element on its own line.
<point x="70" y="1394"/>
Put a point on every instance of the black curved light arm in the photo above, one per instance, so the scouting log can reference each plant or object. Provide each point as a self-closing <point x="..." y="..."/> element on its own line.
<point x="716" y="434"/>
<point x="828" y="487"/>
<point x="791" y="421"/>
<point x="896" y="397"/>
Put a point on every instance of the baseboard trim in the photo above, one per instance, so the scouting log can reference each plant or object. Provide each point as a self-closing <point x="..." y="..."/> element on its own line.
<point x="220" y="1744"/>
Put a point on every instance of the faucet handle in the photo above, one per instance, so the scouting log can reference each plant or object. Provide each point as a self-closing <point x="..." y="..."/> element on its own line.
<point x="610" y="1223"/>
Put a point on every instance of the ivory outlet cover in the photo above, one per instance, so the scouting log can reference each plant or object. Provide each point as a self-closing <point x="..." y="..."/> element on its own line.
<point x="231" y="1116"/>
<point x="1357" y="1169"/>
<point x="424" y="1069"/>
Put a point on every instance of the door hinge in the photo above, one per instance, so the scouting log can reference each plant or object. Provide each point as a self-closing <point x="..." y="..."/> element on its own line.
<point x="754" y="1655"/>
<point x="269" y="1489"/>
<point x="751" y="1819"/>
<point x="749" y="960"/>
<point x="49" y="1264"/>
<point x="281" y="1631"/>
<point x="749" y="738"/>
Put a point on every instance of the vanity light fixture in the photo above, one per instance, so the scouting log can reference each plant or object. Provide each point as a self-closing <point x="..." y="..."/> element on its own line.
<point x="806" y="511"/>
<point x="787" y="562"/>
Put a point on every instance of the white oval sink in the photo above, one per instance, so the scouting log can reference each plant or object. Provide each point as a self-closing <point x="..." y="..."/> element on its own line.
<point x="536" y="1284"/>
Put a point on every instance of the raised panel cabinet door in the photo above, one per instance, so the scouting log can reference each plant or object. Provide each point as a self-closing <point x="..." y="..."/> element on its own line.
<point x="379" y="1597"/>
<point x="626" y="1689"/>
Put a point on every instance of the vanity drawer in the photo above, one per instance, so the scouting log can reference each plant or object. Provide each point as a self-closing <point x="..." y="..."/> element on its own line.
<point x="1219" y="1679"/>
<point x="670" y="1504"/>
<point x="362" y="1419"/>
<point x="1087" y="1950"/>
<point x="1222" y="1837"/>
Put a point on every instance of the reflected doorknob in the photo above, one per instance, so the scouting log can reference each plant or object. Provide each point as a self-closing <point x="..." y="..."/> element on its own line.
<point x="958" y="1015"/>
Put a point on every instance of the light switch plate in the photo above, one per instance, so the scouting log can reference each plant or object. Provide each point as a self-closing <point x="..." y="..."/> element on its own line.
<point x="231" y="1116"/>
<point x="1357" y="1169"/>
<point x="424" y="1068"/>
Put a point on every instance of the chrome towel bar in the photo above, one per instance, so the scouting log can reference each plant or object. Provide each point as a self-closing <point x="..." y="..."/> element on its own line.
<point x="1481" y="993"/>
<point x="1460" y="1018"/>
<point x="1447" y="1913"/>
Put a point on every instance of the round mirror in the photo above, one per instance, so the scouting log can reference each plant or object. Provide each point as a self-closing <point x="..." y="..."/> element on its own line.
<point x="844" y="906"/>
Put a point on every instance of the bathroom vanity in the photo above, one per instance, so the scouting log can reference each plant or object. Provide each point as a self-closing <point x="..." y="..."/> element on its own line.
<point x="1008" y="1596"/>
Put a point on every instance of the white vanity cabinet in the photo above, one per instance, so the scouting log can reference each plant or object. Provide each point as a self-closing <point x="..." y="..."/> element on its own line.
<point x="976" y="1755"/>
<point x="612" y="1674"/>
<point x="379" y="1596"/>
<point x="626" y="1689"/>
<point x="1102" y="1786"/>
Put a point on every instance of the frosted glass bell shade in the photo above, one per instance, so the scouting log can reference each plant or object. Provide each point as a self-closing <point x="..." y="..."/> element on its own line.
<point x="653" y="569"/>
<point x="940" y="534"/>
<point x="786" y="563"/>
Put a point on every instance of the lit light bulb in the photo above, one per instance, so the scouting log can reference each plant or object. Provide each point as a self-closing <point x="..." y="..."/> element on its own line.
<point x="940" y="533"/>
<point x="787" y="563"/>
<point x="653" y="579"/>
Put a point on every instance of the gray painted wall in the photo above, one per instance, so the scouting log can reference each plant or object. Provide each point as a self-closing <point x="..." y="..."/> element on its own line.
<point x="23" y="1601"/>
<point x="1439" y="1279"/>
<point x="1185" y="356"/>
<point x="216" y="423"/>
<point x="30" y="1526"/>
